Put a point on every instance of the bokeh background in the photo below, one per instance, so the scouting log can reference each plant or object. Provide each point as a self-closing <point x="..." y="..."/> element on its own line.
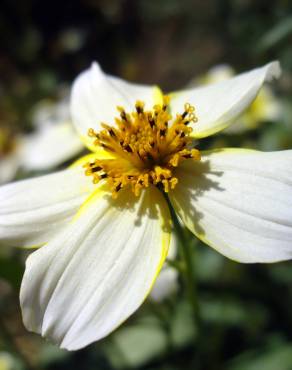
<point x="246" y="309"/>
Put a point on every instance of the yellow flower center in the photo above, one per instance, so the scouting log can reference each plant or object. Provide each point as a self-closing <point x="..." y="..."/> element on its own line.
<point x="144" y="148"/>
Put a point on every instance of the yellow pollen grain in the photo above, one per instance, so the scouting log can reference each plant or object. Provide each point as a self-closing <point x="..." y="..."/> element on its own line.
<point x="145" y="147"/>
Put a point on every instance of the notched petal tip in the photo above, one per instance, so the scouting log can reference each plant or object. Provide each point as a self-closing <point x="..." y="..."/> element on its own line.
<point x="274" y="71"/>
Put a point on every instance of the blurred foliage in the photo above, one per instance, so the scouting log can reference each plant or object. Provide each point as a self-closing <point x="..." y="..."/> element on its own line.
<point x="246" y="309"/>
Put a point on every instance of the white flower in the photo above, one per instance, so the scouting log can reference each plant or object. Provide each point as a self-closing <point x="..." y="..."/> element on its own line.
<point x="9" y="165"/>
<point x="265" y="107"/>
<point x="104" y="245"/>
<point x="54" y="141"/>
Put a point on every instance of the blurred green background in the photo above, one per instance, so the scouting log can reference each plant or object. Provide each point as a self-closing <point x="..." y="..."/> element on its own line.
<point x="246" y="309"/>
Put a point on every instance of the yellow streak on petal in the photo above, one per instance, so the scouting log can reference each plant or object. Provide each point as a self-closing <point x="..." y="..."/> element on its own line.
<point x="81" y="161"/>
<point x="154" y="197"/>
<point x="165" y="223"/>
<point x="100" y="191"/>
<point x="87" y="142"/>
<point x="227" y="151"/>
<point x="189" y="224"/>
<point x="28" y="247"/>
<point x="157" y="95"/>
<point x="174" y="94"/>
<point x="99" y="154"/>
<point x="210" y="131"/>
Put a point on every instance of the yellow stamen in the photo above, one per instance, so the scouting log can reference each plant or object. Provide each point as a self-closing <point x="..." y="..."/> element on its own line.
<point x="145" y="149"/>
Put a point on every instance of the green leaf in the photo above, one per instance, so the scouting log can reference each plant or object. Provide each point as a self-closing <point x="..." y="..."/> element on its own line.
<point x="275" y="35"/>
<point x="272" y="357"/>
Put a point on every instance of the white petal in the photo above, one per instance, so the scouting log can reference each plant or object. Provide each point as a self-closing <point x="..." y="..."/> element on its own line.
<point x="167" y="281"/>
<point x="219" y="73"/>
<point x="217" y="105"/>
<point x="33" y="210"/>
<point x="94" y="275"/>
<point x="239" y="202"/>
<point x="264" y="108"/>
<point x="51" y="146"/>
<point x="96" y="95"/>
<point x="49" y="112"/>
<point x="8" y="167"/>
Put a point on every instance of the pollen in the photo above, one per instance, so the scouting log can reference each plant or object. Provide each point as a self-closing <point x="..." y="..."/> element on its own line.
<point x="145" y="147"/>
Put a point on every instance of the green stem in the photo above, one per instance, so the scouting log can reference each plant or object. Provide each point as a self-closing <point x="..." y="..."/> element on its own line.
<point x="189" y="270"/>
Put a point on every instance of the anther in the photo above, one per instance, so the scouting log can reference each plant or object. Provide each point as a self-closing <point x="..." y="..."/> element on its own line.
<point x="119" y="187"/>
<point x="128" y="149"/>
<point x="107" y="147"/>
<point x="111" y="132"/>
<point x="149" y="157"/>
<point x="139" y="106"/>
<point x="162" y="132"/>
<point x="96" y="169"/>
<point x="151" y="122"/>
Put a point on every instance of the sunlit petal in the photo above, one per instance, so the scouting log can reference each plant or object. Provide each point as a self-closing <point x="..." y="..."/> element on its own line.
<point x="50" y="147"/>
<point x="218" y="104"/>
<point x="33" y="210"/>
<point x="95" y="96"/>
<point x="239" y="202"/>
<point x="95" y="274"/>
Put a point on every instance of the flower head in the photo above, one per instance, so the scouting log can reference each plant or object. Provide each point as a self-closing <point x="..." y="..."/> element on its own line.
<point x="144" y="148"/>
<point x="106" y="225"/>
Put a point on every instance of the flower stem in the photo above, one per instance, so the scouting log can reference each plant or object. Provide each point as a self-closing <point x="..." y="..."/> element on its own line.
<point x="189" y="270"/>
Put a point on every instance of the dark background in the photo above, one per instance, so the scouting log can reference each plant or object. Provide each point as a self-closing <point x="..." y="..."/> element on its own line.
<point x="246" y="309"/>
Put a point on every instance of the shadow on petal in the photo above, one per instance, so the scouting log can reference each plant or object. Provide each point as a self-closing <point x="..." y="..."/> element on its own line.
<point x="153" y="205"/>
<point x="195" y="179"/>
